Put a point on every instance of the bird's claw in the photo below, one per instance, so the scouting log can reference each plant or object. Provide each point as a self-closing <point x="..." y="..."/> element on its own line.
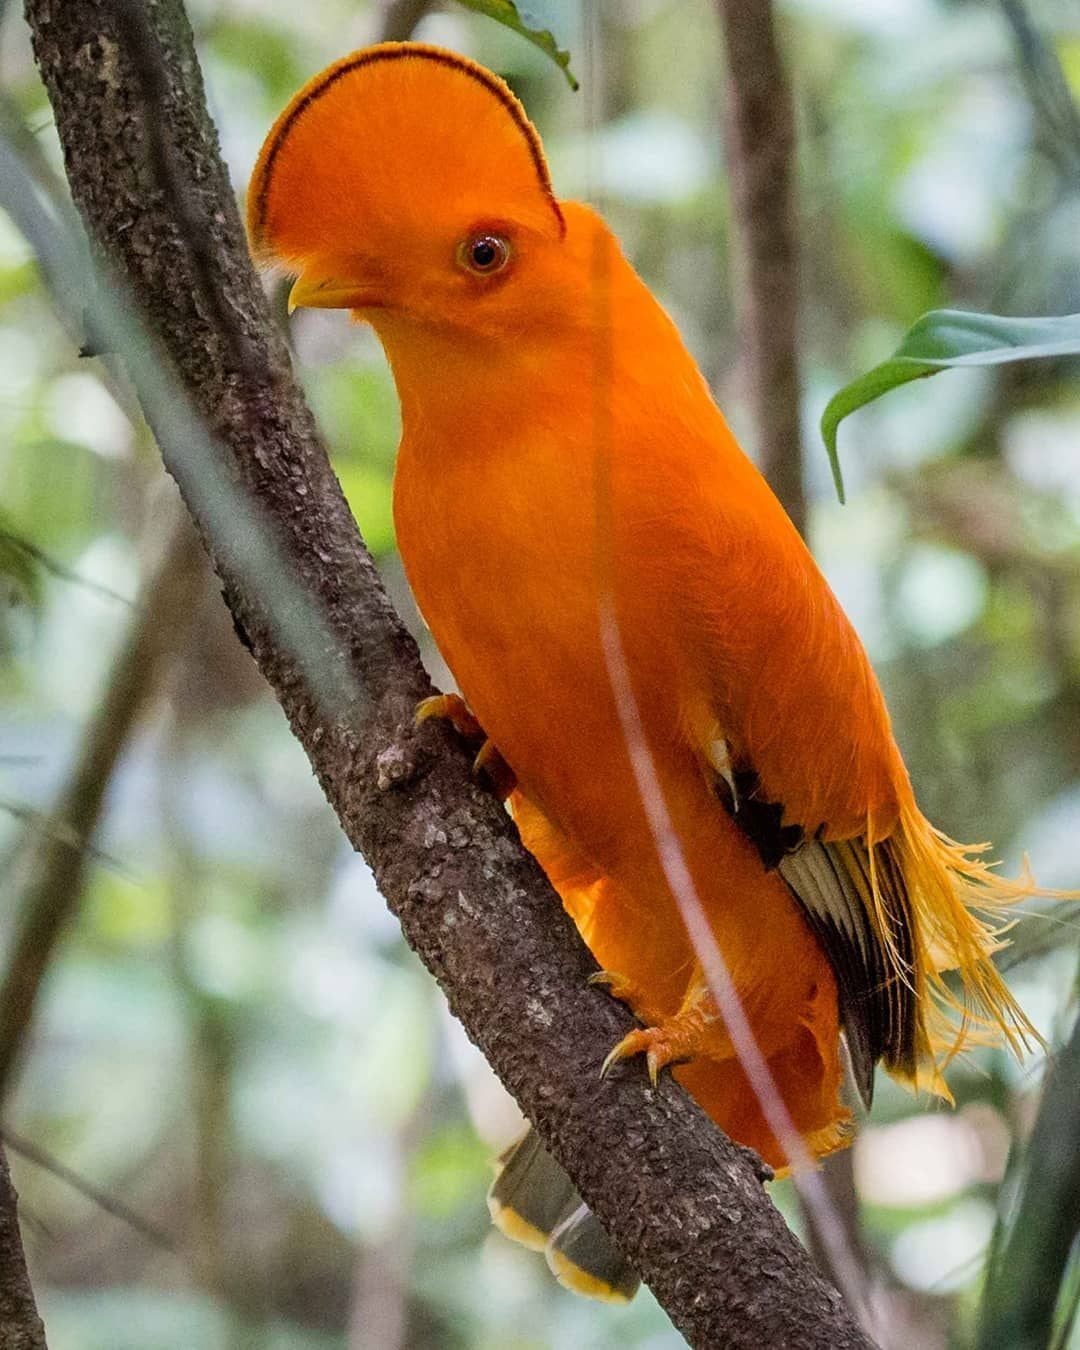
<point x="618" y="986"/>
<point x="489" y="762"/>
<point x="451" y="708"/>
<point x="499" y="774"/>
<point x="659" y="1050"/>
<point x="665" y="1038"/>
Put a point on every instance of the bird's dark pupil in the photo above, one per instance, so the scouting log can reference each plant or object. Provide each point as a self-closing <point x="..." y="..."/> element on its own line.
<point x="485" y="252"/>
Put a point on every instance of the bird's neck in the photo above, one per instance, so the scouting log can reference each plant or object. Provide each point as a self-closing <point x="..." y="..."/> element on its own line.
<point x="458" y="389"/>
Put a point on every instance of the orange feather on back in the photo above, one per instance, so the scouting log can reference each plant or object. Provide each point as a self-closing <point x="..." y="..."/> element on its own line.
<point x="535" y="370"/>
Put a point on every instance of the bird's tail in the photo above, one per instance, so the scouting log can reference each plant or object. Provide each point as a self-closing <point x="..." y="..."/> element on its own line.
<point x="962" y="910"/>
<point x="533" y="1201"/>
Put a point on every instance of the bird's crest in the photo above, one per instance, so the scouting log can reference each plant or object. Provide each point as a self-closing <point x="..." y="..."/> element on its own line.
<point x="394" y="135"/>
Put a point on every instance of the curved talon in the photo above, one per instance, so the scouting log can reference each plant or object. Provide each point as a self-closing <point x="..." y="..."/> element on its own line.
<point x="620" y="1050"/>
<point x="452" y="708"/>
<point x="654" y="1044"/>
<point x="501" y="776"/>
<point x="665" y="1038"/>
<point x="616" y="985"/>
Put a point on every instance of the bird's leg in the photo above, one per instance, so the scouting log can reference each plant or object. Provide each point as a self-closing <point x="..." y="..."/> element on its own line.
<point x="665" y="1039"/>
<point x="453" y="709"/>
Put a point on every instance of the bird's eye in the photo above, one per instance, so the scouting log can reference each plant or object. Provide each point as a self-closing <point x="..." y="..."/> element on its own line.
<point x="485" y="253"/>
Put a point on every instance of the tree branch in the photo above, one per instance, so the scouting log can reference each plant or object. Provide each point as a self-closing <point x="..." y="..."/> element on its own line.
<point x="685" y="1203"/>
<point x="401" y="18"/>
<point x="20" y="1325"/>
<point x="60" y="845"/>
<point x="760" y="139"/>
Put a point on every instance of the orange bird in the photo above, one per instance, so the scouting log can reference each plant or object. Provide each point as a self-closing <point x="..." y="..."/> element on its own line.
<point x="561" y="457"/>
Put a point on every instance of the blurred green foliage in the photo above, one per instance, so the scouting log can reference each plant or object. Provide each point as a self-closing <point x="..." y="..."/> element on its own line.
<point x="234" y="1041"/>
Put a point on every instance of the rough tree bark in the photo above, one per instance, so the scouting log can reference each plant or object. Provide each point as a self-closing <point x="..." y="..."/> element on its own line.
<point x="685" y="1203"/>
<point x="20" y="1325"/>
<point x="760" y="138"/>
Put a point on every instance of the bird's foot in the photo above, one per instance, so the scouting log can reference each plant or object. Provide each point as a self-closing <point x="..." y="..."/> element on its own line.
<point x="450" y="708"/>
<point x="453" y="709"/>
<point x="665" y="1039"/>
<point x="498" y="773"/>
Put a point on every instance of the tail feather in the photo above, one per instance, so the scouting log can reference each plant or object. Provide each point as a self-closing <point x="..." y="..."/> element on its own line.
<point x="530" y="1193"/>
<point x="534" y="1202"/>
<point x="961" y="911"/>
<point x="583" y="1258"/>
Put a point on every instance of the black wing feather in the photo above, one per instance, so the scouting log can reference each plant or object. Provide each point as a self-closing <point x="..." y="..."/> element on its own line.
<point x="832" y="882"/>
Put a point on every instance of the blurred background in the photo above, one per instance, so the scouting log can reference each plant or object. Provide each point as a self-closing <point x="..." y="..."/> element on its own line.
<point x="234" y="1043"/>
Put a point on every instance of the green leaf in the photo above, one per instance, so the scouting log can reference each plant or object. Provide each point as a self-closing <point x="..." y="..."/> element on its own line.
<point x="523" y="19"/>
<point x="1027" y="1291"/>
<point x="942" y="340"/>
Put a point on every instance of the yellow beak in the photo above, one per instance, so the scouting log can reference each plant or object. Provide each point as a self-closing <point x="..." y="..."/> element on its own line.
<point x="310" y="292"/>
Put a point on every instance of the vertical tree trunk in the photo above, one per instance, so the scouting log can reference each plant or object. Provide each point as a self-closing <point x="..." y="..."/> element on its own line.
<point x="760" y="139"/>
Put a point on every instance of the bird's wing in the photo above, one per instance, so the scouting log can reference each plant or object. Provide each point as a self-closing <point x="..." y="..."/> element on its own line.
<point x="855" y="900"/>
<point x="796" y="731"/>
<point x="775" y="691"/>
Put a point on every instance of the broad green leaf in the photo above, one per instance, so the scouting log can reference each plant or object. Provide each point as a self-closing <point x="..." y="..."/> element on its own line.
<point x="1027" y="1294"/>
<point x="524" y="20"/>
<point x="942" y="340"/>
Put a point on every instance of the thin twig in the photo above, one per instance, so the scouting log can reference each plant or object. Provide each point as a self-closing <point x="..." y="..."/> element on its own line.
<point x="42" y="1158"/>
<point x="57" y="569"/>
<point x="56" y="865"/>
<point x="44" y="825"/>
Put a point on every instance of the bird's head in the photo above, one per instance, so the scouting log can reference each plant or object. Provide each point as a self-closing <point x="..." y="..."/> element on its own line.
<point x="405" y="183"/>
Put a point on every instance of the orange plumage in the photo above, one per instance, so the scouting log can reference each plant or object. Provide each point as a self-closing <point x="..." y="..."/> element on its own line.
<point x="544" y="390"/>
